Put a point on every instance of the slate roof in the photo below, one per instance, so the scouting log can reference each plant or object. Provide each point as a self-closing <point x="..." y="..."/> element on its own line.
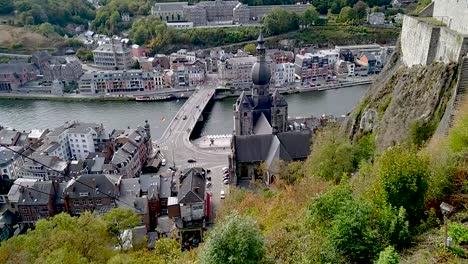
<point x="262" y="126"/>
<point x="105" y="185"/>
<point x="8" y="68"/>
<point x="176" y="6"/>
<point x="14" y="193"/>
<point x="59" y="194"/>
<point x="192" y="186"/>
<point x="165" y="187"/>
<point x="129" y="196"/>
<point x="287" y="146"/>
<point x="8" y="137"/>
<point x="278" y="99"/>
<point x="7" y="156"/>
<point x="37" y="194"/>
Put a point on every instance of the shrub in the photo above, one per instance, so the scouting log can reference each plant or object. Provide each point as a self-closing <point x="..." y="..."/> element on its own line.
<point x="388" y="256"/>
<point x="403" y="179"/>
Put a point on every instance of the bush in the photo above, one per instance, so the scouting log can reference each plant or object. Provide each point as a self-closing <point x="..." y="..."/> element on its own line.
<point x="420" y="132"/>
<point x="331" y="156"/>
<point x="388" y="256"/>
<point x="235" y="240"/>
<point x="363" y="149"/>
<point x="403" y="178"/>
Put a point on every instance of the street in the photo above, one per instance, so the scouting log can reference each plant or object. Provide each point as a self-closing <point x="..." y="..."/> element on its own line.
<point x="177" y="149"/>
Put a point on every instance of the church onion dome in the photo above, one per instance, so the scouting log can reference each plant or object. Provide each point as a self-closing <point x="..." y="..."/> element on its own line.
<point x="261" y="74"/>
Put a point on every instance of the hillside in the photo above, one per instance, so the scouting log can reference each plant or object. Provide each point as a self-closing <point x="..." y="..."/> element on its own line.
<point x="22" y="40"/>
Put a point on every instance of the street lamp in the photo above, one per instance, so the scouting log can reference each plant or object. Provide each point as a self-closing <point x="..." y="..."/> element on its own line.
<point x="446" y="210"/>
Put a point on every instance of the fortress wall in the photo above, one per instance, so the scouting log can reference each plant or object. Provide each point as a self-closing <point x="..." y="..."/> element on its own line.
<point x="423" y="43"/>
<point x="416" y="38"/>
<point x="454" y="13"/>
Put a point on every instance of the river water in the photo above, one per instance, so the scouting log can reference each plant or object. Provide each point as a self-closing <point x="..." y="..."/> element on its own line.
<point x="29" y="114"/>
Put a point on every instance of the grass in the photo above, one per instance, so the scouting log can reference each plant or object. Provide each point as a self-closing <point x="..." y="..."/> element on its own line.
<point x="22" y="40"/>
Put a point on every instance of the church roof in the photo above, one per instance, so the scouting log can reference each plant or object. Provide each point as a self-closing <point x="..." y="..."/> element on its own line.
<point x="287" y="146"/>
<point x="244" y="101"/>
<point x="262" y="126"/>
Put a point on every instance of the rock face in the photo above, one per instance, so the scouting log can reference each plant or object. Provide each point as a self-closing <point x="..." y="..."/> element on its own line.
<point x="401" y="98"/>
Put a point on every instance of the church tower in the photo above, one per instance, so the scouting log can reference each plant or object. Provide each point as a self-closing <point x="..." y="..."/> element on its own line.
<point x="261" y="75"/>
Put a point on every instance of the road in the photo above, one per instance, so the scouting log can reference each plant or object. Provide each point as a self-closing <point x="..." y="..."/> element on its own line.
<point x="176" y="147"/>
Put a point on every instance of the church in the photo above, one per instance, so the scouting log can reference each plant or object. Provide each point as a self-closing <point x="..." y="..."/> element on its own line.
<point x="262" y="134"/>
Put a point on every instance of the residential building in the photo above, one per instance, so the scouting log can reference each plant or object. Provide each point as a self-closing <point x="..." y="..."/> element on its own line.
<point x="137" y="51"/>
<point x="377" y="18"/>
<point x="15" y="192"/>
<point x="173" y="11"/>
<point x="368" y="60"/>
<point x="37" y="136"/>
<point x="15" y="75"/>
<point x="56" y="143"/>
<point x="192" y="199"/>
<point x="85" y="138"/>
<point x="133" y="148"/>
<point x="283" y="74"/>
<point x="131" y="198"/>
<point x="95" y="193"/>
<point x="36" y="202"/>
<point x="312" y="67"/>
<point x="9" y="137"/>
<point x="120" y="82"/>
<point x="10" y="162"/>
<point x="113" y="55"/>
<point x="67" y="71"/>
<point x="43" y="167"/>
<point x="235" y="72"/>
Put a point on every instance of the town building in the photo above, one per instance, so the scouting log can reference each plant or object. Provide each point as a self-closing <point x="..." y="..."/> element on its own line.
<point x="43" y="167"/>
<point x="9" y="137"/>
<point x="235" y="72"/>
<point x="10" y="162"/>
<point x="173" y="11"/>
<point x="120" y="82"/>
<point x="15" y="75"/>
<point x="402" y="3"/>
<point x="377" y="18"/>
<point x="133" y="148"/>
<point x="95" y="193"/>
<point x="369" y="61"/>
<point x="36" y="202"/>
<point x="283" y="74"/>
<point x="68" y="71"/>
<point x="113" y="55"/>
<point x="261" y="124"/>
<point x="312" y="67"/>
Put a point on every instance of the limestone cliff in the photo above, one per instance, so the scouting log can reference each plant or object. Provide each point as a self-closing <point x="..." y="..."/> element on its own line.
<point x="403" y="99"/>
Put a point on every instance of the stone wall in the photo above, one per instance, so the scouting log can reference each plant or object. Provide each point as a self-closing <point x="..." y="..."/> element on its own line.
<point x="424" y="42"/>
<point x="454" y="13"/>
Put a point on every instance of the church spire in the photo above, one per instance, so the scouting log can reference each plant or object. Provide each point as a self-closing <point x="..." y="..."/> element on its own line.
<point x="261" y="74"/>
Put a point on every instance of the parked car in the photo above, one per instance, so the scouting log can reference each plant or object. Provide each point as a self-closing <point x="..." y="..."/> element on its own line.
<point x="225" y="169"/>
<point x="184" y="118"/>
<point x="191" y="161"/>
<point x="222" y="195"/>
<point x="163" y="162"/>
<point x="208" y="184"/>
<point x="208" y="178"/>
<point x="226" y="181"/>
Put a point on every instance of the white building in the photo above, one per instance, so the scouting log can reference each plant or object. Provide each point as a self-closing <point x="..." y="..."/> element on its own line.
<point x="81" y="142"/>
<point x="56" y="143"/>
<point x="10" y="162"/>
<point x="180" y="25"/>
<point x="283" y="74"/>
<point x="113" y="55"/>
<point x="33" y="168"/>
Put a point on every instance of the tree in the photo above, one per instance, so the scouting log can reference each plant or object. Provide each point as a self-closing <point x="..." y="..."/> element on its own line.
<point x="388" y="256"/>
<point x="347" y="15"/>
<point x="250" y="48"/>
<point x="331" y="155"/>
<point x="403" y="178"/>
<point x="361" y="9"/>
<point x="280" y="21"/>
<point x="118" y="220"/>
<point x="310" y="17"/>
<point x="7" y="6"/>
<point x="237" y="239"/>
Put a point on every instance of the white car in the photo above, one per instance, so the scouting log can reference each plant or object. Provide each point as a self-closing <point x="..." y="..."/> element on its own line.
<point x="226" y="181"/>
<point x="225" y="169"/>
<point x="163" y="162"/>
<point x="208" y="184"/>
<point x="222" y="195"/>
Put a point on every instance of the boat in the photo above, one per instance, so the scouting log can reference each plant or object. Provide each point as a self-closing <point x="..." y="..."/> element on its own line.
<point x="153" y="98"/>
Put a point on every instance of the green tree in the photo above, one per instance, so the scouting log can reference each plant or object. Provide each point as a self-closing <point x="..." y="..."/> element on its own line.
<point x="280" y="20"/>
<point x="347" y="15"/>
<point x="250" y="48"/>
<point x="7" y="6"/>
<point x="237" y="239"/>
<point x="388" y="256"/>
<point x="361" y="10"/>
<point x="118" y="220"/>
<point x="331" y="155"/>
<point x="403" y="178"/>
<point x="310" y="17"/>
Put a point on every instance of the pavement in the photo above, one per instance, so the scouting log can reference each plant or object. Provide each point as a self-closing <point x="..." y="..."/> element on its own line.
<point x="177" y="148"/>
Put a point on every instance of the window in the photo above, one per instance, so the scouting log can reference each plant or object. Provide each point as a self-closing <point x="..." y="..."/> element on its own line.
<point x="98" y="201"/>
<point x="90" y="202"/>
<point x="76" y="203"/>
<point x="83" y="202"/>
<point x="83" y="141"/>
<point x="82" y="136"/>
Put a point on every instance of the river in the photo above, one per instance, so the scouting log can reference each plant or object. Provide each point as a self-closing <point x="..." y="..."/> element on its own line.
<point x="29" y="114"/>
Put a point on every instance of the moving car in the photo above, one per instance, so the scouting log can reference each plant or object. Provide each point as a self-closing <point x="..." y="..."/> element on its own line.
<point x="191" y="161"/>
<point x="222" y="195"/>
